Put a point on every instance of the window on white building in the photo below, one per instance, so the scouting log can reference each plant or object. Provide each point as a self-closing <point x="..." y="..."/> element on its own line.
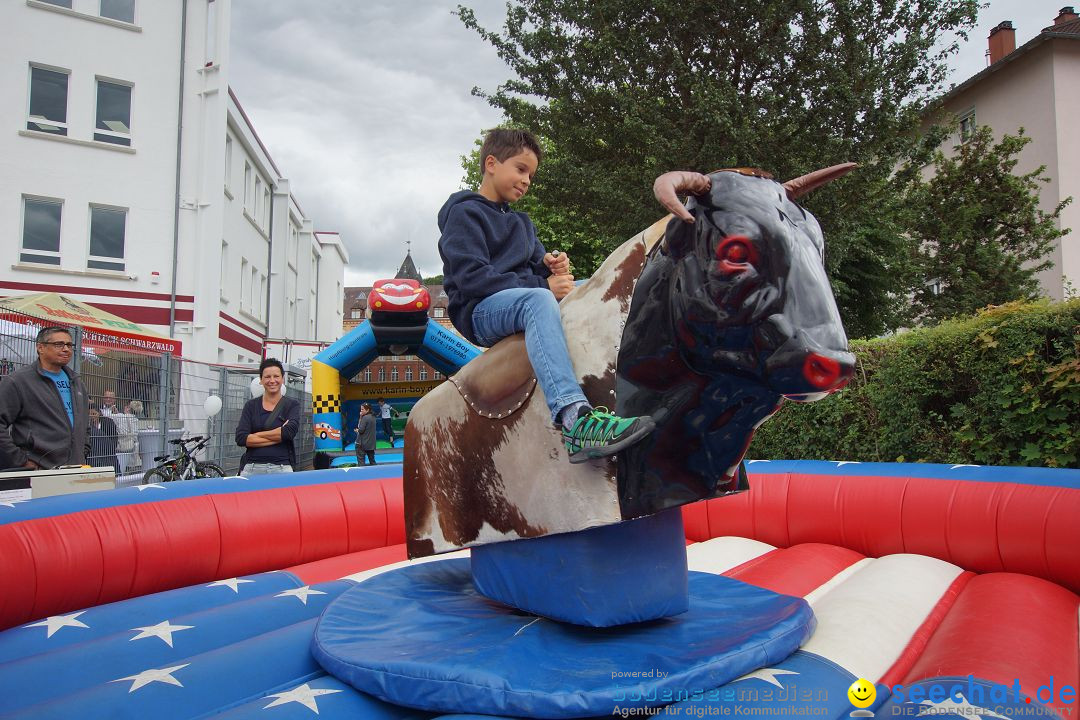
<point x="253" y="286"/>
<point x="122" y="10"/>
<point x="48" y="101"/>
<point x="423" y="373"/>
<point x="59" y="3"/>
<point x="266" y="211"/>
<point x="256" y="200"/>
<point x="408" y="374"/>
<point x="248" y="189"/>
<point x="41" y="230"/>
<point x="228" y="163"/>
<point x="210" y="57"/>
<point x="113" y="113"/>
<point x="967" y="125"/>
<point x="244" y="283"/>
<point x="393" y="374"/>
<point x="223" y="271"/>
<point x="108" y="227"/>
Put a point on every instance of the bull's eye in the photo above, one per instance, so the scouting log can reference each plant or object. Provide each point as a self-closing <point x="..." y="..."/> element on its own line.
<point x="735" y="249"/>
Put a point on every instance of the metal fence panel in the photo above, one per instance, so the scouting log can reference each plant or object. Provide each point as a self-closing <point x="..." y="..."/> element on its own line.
<point x="157" y="397"/>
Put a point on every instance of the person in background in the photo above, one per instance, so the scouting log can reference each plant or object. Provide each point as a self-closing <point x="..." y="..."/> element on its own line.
<point x="103" y="438"/>
<point x="109" y="407"/>
<point x="44" y="415"/>
<point x="268" y="425"/>
<point x="385" y="409"/>
<point x="127" y="437"/>
<point x="365" y="436"/>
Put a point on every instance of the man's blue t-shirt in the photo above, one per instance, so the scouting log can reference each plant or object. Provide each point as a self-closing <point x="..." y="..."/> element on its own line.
<point x="63" y="386"/>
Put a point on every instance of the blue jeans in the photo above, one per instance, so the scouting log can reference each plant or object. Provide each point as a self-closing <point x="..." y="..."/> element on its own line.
<point x="251" y="469"/>
<point x="534" y="311"/>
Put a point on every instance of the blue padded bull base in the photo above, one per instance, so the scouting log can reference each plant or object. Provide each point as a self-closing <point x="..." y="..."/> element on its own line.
<point x="592" y="577"/>
<point x="422" y="637"/>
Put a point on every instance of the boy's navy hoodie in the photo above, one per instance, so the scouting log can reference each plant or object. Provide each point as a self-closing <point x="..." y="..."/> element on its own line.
<point x="485" y="247"/>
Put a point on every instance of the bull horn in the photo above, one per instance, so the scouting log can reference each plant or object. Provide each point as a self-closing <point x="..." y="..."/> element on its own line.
<point x="807" y="183"/>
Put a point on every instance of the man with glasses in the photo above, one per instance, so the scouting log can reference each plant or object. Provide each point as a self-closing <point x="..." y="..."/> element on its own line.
<point x="44" y="410"/>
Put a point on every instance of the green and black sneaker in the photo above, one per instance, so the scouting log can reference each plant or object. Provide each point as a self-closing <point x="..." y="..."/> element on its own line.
<point x="597" y="433"/>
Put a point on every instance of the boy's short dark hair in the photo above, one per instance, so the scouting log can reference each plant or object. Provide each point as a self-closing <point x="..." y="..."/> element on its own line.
<point x="505" y="143"/>
<point x="271" y="362"/>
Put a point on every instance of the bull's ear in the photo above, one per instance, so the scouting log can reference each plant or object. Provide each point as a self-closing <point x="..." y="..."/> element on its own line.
<point x="806" y="183"/>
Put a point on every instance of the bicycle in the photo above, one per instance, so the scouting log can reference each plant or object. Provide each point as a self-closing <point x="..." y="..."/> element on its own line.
<point x="183" y="466"/>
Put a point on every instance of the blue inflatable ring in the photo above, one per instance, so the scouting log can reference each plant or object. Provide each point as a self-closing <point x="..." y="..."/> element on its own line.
<point x="421" y="636"/>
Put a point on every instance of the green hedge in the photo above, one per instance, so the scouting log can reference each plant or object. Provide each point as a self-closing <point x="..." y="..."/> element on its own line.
<point x="1001" y="388"/>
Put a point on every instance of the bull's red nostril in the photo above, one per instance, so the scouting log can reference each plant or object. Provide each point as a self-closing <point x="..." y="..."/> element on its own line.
<point x="820" y="371"/>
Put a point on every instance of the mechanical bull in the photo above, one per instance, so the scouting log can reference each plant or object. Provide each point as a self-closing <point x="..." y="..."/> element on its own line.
<point x="707" y="327"/>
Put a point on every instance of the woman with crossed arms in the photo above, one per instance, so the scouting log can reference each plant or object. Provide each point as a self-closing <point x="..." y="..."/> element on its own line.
<point x="268" y="425"/>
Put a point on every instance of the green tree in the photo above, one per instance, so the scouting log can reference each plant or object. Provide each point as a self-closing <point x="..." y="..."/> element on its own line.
<point x="980" y="235"/>
<point x="622" y="91"/>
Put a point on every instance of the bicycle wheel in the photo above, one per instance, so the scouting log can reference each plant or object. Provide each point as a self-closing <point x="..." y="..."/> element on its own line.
<point x="208" y="470"/>
<point x="157" y="475"/>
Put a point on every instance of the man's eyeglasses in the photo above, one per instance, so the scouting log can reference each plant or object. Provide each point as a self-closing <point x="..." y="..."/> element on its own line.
<point x="59" y="344"/>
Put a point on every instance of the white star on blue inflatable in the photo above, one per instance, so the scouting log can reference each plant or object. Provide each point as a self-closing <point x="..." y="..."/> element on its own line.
<point x="768" y="675"/>
<point x="140" y="488"/>
<point x="162" y="630"/>
<point x="303" y="694"/>
<point x="12" y="503"/>
<point x="55" y="622"/>
<point x="300" y="593"/>
<point x="233" y="583"/>
<point x="162" y="675"/>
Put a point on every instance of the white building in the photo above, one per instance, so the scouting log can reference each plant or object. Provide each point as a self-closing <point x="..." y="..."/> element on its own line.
<point x="1033" y="87"/>
<point x="191" y="232"/>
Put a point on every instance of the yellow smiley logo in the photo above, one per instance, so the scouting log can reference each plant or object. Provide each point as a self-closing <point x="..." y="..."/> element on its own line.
<point x="862" y="693"/>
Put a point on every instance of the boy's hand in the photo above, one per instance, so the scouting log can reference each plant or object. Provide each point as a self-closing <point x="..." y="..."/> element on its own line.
<point x="561" y="285"/>
<point x="557" y="262"/>
<point x="670" y="185"/>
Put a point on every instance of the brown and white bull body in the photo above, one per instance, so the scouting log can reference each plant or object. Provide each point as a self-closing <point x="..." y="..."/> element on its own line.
<point x="483" y="462"/>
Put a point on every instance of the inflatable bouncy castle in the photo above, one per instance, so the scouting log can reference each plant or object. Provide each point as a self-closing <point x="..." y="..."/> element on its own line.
<point x="399" y="325"/>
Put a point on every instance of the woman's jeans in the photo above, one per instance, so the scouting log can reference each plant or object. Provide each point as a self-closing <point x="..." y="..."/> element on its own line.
<point x="264" y="469"/>
<point x="534" y="311"/>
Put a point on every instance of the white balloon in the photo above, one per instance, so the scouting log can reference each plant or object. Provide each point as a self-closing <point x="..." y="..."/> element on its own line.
<point x="212" y="405"/>
<point x="256" y="388"/>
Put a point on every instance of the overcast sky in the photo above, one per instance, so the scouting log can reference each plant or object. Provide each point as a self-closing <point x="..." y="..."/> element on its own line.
<point x="366" y="107"/>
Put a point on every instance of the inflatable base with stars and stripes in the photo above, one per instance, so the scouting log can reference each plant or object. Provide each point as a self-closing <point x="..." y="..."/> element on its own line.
<point x="951" y="589"/>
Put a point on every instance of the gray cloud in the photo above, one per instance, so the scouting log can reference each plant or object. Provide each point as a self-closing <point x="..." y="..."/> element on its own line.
<point x="366" y="107"/>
